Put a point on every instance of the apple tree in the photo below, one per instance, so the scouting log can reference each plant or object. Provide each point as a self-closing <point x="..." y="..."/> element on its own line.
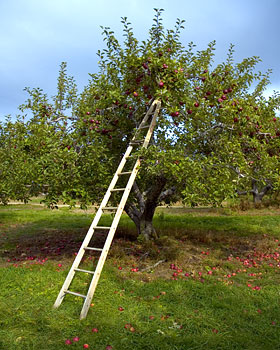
<point x="209" y="118"/>
<point x="216" y="134"/>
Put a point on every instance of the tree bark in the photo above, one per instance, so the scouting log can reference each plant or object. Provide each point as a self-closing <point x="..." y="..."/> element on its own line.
<point x="142" y="210"/>
<point x="258" y="195"/>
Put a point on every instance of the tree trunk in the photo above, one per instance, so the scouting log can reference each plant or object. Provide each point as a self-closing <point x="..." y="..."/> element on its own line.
<point x="142" y="209"/>
<point x="258" y="195"/>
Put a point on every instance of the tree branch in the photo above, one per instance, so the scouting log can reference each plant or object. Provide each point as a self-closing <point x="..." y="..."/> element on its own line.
<point x="132" y="211"/>
<point x="152" y="266"/>
<point x="167" y="193"/>
<point x="139" y="196"/>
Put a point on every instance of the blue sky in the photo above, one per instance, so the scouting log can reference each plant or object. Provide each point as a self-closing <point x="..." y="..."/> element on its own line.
<point x="37" y="35"/>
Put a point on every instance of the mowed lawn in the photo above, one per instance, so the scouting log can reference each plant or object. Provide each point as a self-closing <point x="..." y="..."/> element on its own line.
<point x="211" y="281"/>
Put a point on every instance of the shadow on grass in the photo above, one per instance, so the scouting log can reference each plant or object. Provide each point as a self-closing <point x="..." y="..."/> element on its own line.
<point x="31" y="232"/>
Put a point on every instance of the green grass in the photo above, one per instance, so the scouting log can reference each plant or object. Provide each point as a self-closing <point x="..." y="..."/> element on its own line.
<point x="217" y="311"/>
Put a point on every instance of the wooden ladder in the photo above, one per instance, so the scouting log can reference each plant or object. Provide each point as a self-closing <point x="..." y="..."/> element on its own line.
<point x="149" y="126"/>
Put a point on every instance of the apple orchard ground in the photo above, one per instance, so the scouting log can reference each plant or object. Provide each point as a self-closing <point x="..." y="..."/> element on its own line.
<point x="216" y="285"/>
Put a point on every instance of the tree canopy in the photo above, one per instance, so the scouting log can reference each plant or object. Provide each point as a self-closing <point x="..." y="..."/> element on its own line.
<point x="216" y="136"/>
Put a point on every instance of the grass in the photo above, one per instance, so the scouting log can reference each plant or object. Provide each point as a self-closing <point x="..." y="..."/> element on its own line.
<point x="228" y="300"/>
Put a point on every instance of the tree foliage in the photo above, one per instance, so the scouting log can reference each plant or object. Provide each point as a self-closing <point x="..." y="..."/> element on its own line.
<point x="216" y="134"/>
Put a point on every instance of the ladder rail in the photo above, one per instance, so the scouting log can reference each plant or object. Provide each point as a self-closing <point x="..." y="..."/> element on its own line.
<point x="89" y="234"/>
<point x="154" y="109"/>
<point x="116" y="220"/>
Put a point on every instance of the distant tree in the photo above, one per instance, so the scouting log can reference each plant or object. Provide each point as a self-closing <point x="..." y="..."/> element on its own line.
<point x="214" y="136"/>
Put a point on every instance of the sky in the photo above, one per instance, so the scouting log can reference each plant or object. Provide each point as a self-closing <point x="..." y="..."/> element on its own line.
<point x="37" y="35"/>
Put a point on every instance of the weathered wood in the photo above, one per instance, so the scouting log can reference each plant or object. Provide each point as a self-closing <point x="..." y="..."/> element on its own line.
<point x="153" y="110"/>
<point x="115" y="222"/>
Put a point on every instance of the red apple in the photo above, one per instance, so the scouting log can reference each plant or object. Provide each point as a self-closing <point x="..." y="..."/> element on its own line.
<point x="135" y="94"/>
<point x="161" y="84"/>
<point x="196" y="104"/>
<point x="94" y="330"/>
<point x="189" y="111"/>
<point x="85" y="346"/>
<point x="88" y="113"/>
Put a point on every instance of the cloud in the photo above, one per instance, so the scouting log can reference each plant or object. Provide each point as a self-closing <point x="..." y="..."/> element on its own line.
<point x="36" y="36"/>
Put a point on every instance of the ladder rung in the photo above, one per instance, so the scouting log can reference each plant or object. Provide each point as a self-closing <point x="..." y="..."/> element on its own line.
<point x="92" y="248"/>
<point x="86" y="271"/>
<point x="102" y="227"/>
<point x="74" y="293"/>
<point x="125" y="173"/>
<point x="109" y="208"/>
<point x="148" y="123"/>
<point x="136" y="142"/>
